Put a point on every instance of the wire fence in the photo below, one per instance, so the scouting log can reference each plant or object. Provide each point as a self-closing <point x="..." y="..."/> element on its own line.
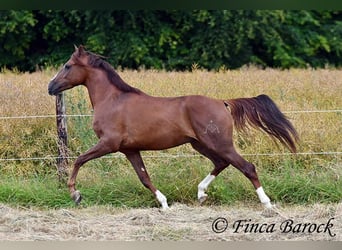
<point x="49" y="158"/>
<point x="89" y="115"/>
<point x="162" y="155"/>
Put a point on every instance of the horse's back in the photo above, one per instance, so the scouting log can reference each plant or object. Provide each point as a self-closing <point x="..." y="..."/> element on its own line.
<point x="154" y="122"/>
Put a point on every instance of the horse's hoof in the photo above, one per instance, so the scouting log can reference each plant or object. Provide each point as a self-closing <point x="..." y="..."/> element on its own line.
<point x="77" y="197"/>
<point x="269" y="212"/>
<point x="202" y="199"/>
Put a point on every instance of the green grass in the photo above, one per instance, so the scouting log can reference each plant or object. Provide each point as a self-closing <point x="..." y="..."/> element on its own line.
<point x="118" y="185"/>
<point x="300" y="179"/>
<point x="34" y="191"/>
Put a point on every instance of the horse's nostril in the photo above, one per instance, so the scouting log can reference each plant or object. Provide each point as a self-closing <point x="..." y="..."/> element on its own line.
<point x="52" y="88"/>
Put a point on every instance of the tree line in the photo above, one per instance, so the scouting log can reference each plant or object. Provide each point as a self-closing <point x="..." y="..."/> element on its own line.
<point x="173" y="39"/>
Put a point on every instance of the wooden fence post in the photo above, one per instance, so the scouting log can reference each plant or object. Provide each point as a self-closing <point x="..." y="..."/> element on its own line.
<point x="62" y="160"/>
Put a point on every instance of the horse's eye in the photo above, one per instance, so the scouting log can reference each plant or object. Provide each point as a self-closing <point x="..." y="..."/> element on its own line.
<point x="66" y="66"/>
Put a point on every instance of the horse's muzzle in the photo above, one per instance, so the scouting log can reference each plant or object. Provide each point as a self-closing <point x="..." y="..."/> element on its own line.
<point x="53" y="88"/>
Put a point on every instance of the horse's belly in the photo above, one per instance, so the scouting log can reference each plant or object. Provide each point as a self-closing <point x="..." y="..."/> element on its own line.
<point x="155" y="138"/>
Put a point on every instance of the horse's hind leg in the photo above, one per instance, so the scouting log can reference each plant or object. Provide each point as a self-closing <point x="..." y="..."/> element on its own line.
<point x="219" y="164"/>
<point x="248" y="169"/>
<point x="139" y="167"/>
<point x="221" y="160"/>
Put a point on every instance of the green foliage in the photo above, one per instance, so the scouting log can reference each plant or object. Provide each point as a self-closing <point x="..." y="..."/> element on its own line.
<point x="299" y="38"/>
<point x="173" y="39"/>
<point x="15" y="36"/>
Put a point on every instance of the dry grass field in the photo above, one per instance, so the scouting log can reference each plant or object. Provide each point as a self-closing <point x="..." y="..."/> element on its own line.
<point x="293" y="90"/>
<point x="180" y="223"/>
<point x="306" y="187"/>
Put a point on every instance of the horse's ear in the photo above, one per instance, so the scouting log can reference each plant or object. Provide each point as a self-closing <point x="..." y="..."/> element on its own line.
<point x="81" y="50"/>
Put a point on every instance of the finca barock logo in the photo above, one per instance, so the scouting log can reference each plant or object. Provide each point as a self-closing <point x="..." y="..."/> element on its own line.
<point x="288" y="226"/>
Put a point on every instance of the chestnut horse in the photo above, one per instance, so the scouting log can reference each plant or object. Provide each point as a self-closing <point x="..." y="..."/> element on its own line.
<point x="128" y="120"/>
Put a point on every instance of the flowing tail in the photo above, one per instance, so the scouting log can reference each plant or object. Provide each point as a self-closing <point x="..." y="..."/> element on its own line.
<point x="261" y="112"/>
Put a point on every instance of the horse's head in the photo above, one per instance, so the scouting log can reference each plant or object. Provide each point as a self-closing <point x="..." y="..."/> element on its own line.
<point x="72" y="74"/>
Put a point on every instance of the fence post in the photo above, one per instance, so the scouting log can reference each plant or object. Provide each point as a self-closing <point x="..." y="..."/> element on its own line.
<point x="62" y="160"/>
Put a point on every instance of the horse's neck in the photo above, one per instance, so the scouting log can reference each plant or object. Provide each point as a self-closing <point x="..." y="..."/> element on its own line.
<point x="100" y="90"/>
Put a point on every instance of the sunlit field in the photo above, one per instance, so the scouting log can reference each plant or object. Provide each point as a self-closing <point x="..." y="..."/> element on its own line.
<point x="310" y="98"/>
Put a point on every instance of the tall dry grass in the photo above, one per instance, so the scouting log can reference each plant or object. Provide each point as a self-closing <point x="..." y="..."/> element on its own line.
<point x="293" y="90"/>
<point x="24" y="94"/>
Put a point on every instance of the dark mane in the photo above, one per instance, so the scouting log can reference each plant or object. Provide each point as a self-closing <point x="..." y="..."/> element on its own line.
<point x="97" y="62"/>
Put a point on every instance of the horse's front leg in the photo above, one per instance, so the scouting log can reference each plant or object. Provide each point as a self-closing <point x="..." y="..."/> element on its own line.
<point x="135" y="158"/>
<point x="100" y="149"/>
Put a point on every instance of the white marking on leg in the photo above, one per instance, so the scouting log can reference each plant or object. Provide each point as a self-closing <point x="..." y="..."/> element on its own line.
<point x="162" y="199"/>
<point x="142" y="169"/>
<point x="203" y="186"/>
<point x="265" y="200"/>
